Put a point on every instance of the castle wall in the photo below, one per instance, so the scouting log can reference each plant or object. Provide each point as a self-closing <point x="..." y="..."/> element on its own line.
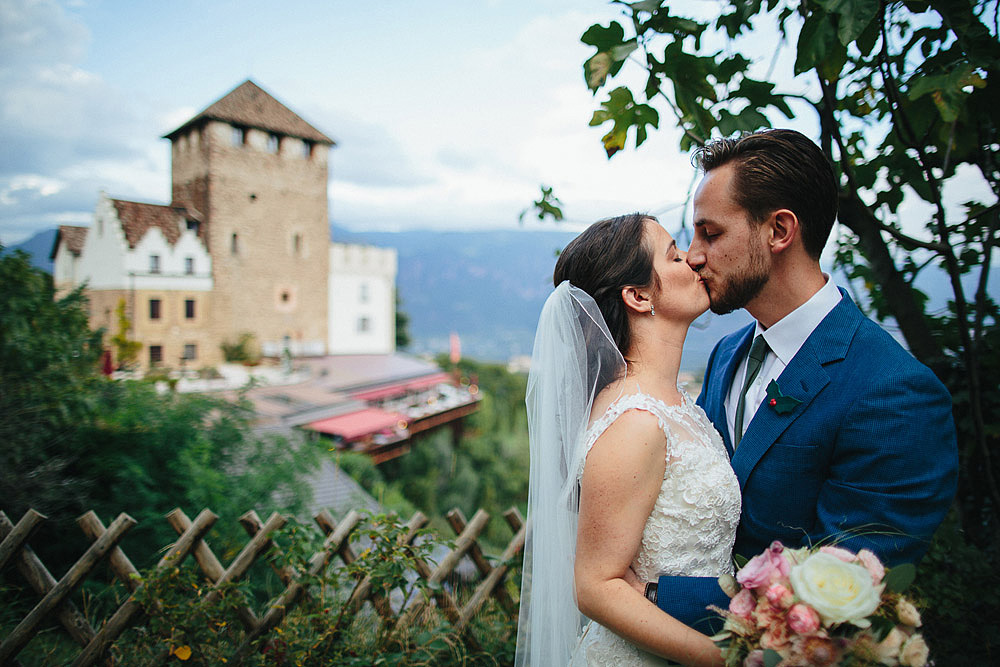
<point x="362" y="299"/>
<point x="267" y="230"/>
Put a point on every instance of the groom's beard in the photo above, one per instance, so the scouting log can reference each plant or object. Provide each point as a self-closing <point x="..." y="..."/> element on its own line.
<point x="741" y="287"/>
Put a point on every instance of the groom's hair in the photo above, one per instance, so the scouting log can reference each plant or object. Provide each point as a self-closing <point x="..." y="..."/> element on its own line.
<point x="779" y="169"/>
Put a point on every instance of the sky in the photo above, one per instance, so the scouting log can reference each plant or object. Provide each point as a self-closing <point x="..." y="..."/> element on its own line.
<point x="446" y="114"/>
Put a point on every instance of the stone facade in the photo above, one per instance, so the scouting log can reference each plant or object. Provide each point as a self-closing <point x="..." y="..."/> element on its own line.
<point x="243" y="247"/>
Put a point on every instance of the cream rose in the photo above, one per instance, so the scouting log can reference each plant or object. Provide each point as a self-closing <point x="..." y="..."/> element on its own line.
<point x="914" y="652"/>
<point x="908" y="614"/>
<point x="840" y="592"/>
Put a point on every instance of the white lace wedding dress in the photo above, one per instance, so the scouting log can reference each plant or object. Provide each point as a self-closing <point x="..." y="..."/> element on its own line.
<point x="692" y="527"/>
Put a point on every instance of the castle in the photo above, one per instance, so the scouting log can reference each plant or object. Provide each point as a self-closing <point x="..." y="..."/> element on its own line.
<point x="242" y="248"/>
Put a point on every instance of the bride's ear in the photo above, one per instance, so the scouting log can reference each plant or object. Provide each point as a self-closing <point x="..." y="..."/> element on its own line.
<point x="636" y="299"/>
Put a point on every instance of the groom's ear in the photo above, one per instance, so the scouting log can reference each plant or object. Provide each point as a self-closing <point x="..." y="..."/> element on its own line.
<point x="784" y="230"/>
<point x="636" y="299"/>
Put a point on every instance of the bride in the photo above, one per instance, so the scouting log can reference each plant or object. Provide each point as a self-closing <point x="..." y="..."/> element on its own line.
<point x="628" y="476"/>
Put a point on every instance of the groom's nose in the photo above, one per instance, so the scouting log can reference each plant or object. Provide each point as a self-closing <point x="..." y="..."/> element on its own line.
<point x="695" y="255"/>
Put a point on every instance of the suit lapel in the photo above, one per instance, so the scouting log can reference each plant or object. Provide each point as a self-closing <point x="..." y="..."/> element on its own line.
<point x="803" y="378"/>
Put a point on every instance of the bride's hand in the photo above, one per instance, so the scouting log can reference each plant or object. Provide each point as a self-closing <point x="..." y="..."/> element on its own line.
<point x="632" y="579"/>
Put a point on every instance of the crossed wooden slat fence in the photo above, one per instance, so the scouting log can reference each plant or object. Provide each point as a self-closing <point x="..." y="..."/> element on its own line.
<point x="55" y="595"/>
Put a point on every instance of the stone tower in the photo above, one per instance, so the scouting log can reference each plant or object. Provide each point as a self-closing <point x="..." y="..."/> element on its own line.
<point x="255" y="175"/>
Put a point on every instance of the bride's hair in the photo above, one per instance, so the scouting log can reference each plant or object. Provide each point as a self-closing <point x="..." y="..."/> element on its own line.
<point x="609" y="255"/>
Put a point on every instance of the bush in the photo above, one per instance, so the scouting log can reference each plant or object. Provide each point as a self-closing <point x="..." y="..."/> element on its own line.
<point x="959" y="586"/>
<point x="322" y="629"/>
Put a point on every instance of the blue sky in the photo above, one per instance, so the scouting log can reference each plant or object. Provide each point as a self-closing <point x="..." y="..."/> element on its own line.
<point x="446" y="114"/>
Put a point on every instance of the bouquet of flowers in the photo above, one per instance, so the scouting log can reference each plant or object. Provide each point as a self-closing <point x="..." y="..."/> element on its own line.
<point x="820" y="606"/>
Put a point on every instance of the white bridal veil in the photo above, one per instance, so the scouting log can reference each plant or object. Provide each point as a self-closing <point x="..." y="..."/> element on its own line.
<point x="574" y="356"/>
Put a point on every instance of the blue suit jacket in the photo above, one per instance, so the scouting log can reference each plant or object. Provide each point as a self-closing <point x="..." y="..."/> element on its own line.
<point x="869" y="455"/>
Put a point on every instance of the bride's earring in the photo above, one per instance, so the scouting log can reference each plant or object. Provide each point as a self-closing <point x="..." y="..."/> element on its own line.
<point x="652" y="311"/>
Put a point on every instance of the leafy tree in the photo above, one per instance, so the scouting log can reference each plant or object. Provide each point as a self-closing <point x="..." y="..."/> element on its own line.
<point x="901" y="93"/>
<point x="48" y="376"/>
<point x="403" y="339"/>
<point x="74" y="440"/>
<point x="126" y="349"/>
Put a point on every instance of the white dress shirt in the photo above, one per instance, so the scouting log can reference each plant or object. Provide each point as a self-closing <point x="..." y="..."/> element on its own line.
<point x="784" y="339"/>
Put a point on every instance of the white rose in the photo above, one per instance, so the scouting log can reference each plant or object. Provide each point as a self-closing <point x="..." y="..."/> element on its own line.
<point x="840" y="592"/>
<point x="914" y="652"/>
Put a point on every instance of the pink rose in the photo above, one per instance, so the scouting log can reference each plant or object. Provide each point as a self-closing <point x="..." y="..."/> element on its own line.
<point x="754" y="659"/>
<point x="842" y="554"/>
<point x="776" y="636"/>
<point x="872" y="564"/>
<point x="766" y="615"/>
<point x="742" y="604"/>
<point x="778" y="596"/>
<point x="803" y="619"/>
<point x="764" y="568"/>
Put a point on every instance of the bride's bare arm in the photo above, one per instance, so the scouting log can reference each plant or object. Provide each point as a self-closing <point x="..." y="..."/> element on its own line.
<point x="620" y="484"/>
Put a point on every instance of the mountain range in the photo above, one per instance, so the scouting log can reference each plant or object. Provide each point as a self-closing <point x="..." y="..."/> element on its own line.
<point x="488" y="287"/>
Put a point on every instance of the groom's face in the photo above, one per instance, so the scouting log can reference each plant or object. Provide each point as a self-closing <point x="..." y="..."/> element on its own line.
<point x="728" y="250"/>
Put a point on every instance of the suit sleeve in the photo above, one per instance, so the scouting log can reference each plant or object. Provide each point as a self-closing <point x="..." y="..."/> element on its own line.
<point x="687" y="598"/>
<point x="894" y="468"/>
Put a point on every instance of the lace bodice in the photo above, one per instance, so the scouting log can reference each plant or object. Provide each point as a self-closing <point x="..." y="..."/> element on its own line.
<point x="692" y="527"/>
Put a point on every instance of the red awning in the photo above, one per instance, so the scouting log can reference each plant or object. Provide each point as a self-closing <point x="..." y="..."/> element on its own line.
<point x="355" y="425"/>
<point x="402" y="387"/>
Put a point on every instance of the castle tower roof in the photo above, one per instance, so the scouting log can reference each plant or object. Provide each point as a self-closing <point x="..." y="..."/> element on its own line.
<point x="250" y="105"/>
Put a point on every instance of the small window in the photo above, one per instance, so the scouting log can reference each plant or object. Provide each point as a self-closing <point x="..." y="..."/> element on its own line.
<point x="190" y="352"/>
<point x="234" y="244"/>
<point x="155" y="354"/>
<point x="189" y="309"/>
<point x="297" y="243"/>
<point x="154" y="263"/>
<point x="285" y="296"/>
<point x="154" y="309"/>
<point x="363" y="293"/>
<point x="239" y="136"/>
<point x="364" y="325"/>
<point x="307" y="149"/>
<point x="189" y="266"/>
<point x="272" y="143"/>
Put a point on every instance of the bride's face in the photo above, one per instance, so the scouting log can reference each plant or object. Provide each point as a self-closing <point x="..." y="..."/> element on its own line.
<point x="681" y="292"/>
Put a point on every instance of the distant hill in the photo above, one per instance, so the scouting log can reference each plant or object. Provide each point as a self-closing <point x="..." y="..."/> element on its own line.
<point x="38" y="246"/>
<point x="489" y="287"/>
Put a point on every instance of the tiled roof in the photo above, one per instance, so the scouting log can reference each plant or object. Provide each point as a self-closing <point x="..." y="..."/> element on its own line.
<point x="250" y="105"/>
<point x="138" y="218"/>
<point x="72" y="236"/>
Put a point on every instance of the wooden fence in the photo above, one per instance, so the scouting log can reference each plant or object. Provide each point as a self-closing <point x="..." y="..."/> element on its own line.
<point x="55" y="595"/>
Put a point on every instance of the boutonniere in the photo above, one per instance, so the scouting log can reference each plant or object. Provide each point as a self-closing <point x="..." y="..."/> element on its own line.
<point x="778" y="401"/>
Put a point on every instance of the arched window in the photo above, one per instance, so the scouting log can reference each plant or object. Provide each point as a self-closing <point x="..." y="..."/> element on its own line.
<point x="234" y="244"/>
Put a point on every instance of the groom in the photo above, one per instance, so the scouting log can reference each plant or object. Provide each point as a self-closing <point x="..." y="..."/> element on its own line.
<point x="834" y="430"/>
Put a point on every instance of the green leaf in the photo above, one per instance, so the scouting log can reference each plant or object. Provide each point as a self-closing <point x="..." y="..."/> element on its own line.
<point x="819" y="47"/>
<point x="880" y="627"/>
<point x="771" y="658"/>
<point x="649" y="6"/>
<point x="899" y="578"/>
<point x="604" y="39"/>
<point x="855" y="16"/>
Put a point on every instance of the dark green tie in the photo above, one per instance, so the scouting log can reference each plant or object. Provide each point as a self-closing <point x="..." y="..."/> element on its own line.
<point x="757" y="352"/>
